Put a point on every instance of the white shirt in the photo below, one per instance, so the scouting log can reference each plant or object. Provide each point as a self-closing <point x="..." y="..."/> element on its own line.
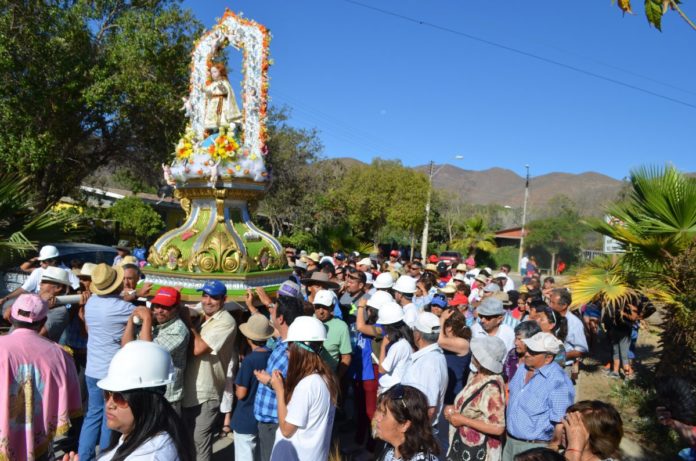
<point x="576" y="340"/>
<point x="427" y="372"/>
<point x="509" y="285"/>
<point x="504" y="332"/>
<point x="394" y="364"/>
<point x="33" y="282"/>
<point x="309" y="409"/>
<point x="158" y="448"/>
<point x="410" y="314"/>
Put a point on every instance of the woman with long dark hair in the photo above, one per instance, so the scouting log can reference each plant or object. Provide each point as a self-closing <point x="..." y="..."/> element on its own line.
<point x="307" y="398"/>
<point x="552" y="322"/>
<point x="144" y="424"/>
<point x="402" y="421"/>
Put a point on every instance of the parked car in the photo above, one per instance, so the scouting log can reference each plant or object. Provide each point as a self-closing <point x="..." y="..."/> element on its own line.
<point x="13" y="278"/>
<point x="451" y="257"/>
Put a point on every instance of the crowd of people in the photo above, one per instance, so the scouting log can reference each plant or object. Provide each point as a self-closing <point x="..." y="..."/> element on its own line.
<point x="419" y="360"/>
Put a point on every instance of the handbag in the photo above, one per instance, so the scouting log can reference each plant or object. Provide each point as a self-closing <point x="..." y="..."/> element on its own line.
<point x="459" y="451"/>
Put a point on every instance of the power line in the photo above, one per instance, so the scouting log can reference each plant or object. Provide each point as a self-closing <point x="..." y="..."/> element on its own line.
<point x="520" y="52"/>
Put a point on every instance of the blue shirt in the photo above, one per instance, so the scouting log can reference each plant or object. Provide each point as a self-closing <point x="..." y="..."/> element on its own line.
<point x="243" y="421"/>
<point x="106" y="318"/>
<point x="266" y="404"/>
<point x="534" y="408"/>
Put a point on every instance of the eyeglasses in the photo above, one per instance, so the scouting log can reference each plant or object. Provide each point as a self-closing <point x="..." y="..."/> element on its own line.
<point x="118" y="398"/>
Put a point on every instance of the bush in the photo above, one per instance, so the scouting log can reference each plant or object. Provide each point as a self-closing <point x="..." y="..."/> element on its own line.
<point x="301" y="240"/>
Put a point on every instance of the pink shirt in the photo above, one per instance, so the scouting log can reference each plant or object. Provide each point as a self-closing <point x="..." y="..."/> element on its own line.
<point x="39" y="392"/>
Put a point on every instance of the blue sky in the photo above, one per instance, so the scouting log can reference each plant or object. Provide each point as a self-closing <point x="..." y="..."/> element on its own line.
<point x="375" y="85"/>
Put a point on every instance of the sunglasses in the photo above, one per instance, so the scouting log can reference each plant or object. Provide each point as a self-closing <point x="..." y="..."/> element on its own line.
<point x="117" y="397"/>
<point x="397" y="393"/>
<point x="531" y="352"/>
<point x="488" y="317"/>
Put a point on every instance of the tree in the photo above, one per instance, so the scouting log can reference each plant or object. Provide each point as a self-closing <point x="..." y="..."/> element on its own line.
<point x="475" y="236"/>
<point x="298" y="197"/>
<point x="655" y="9"/>
<point x="23" y="225"/>
<point x="382" y="195"/>
<point x="91" y="83"/>
<point x="559" y="233"/>
<point x="137" y="218"/>
<point x="657" y="228"/>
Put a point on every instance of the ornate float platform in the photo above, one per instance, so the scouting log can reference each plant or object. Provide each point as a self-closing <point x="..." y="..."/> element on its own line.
<point x="218" y="170"/>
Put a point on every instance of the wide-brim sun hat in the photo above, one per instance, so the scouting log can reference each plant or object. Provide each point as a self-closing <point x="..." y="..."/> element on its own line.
<point x="106" y="279"/>
<point x="489" y="351"/>
<point x="321" y="279"/>
<point x="257" y="328"/>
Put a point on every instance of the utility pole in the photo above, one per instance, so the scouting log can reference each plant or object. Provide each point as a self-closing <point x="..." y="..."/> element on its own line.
<point x="424" y="242"/>
<point x="524" y="220"/>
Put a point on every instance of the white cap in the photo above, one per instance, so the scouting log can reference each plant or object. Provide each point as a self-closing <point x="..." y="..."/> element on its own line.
<point x="305" y="328"/>
<point x="48" y="252"/>
<point x="324" y="298"/>
<point x="501" y="275"/>
<point x="56" y="275"/>
<point x="544" y="342"/>
<point x="380" y="298"/>
<point x="327" y="258"/>
<point x="405" y="284"/>
<point x="427" y="322"/>
<point x="301" y="264"/>
<point x="138" y="365"/>
<point x="365" y="262"/>
<point x="492" y="288"/>
<point x="384" y="281"/>
<point x="390" y="313"/>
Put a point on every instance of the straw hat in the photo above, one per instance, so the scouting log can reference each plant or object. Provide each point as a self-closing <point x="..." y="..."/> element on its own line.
<point x="106" y="279"/>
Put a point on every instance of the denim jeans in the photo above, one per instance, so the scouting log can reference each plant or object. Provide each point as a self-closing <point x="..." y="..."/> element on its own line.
<point x="94" y="429"/>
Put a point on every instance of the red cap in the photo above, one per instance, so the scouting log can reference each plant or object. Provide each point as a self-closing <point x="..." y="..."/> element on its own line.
<point x="166" y="296"/>
<point x="433" y="259"/>
<point x="394" y="253"/>
<point x="458" y="300"/>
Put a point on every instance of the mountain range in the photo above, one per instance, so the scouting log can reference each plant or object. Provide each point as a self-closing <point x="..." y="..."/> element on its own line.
<point x="590" y="190"/>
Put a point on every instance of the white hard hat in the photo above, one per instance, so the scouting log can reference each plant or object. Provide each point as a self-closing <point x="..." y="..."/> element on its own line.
<point x="48" y="252"/>
<point x="390" y="313"/>
<point x="138" y="365"/>
<point x="325" y="298"/>
<point x="383" y="281"/>
<point x="379" y="299"/>
<point x="405" y="284"/>
<point x="306" y="328"/>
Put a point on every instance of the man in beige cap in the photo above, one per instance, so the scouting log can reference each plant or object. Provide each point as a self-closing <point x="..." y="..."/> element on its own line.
<point x="106" y="316"/>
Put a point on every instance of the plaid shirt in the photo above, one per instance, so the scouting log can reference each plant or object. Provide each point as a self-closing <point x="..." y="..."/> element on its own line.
<point x="536" y="407"/>
<point x="266" y="404"/>
<point x="174" y="336"/>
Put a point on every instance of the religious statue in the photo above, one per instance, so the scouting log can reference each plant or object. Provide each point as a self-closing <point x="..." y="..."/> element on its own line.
<point x="221" y="110"/>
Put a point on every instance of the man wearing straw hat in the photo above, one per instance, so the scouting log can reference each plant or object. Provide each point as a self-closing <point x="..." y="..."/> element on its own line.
<point x="106" y="315"/>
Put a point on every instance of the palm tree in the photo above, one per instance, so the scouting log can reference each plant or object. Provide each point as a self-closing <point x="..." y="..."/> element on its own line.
<point x="656" y="226"/>
<point x="475" y="236"/>
<point x="23" y="226"/>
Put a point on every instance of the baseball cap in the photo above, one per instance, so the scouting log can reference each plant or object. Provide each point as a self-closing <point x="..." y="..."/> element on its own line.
<point x="340" y="256"/>
<point x="214" y="288"/>
<point x="491" y="307"/>
<point x="433" y="259"/>
<point x="324" y="298"/>
<point x="394" y="253"/>
<point x="166" y="296"/>
<point x="459" y="299"/>
<point x="543" y="342"/>
<point x="470" y="261"/>
<point x="427" y="322"/>
<point x="29" y="308"/>
<point x="439" y="301"/>
<point x="301" y="264"/>
<point x="290" y="289"/>
<point x="501" y="275"/>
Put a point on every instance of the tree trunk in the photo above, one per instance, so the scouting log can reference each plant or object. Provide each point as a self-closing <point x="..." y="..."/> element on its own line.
<point x="413" y="242"/>
<point x="552" y="271"/>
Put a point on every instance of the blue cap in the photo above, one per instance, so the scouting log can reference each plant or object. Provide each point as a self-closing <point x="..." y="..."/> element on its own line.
<point x="439" y="301"/>
<point x="214" y="288"/>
